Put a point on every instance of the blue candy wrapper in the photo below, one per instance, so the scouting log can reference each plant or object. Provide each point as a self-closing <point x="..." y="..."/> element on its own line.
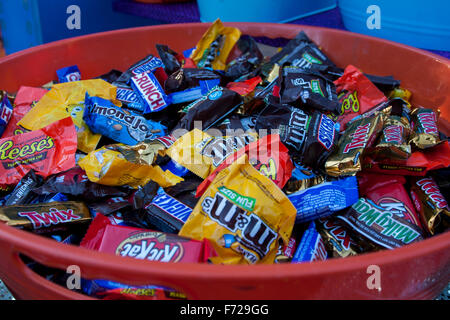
<point x="311" y="247"/>
<point x="128" y="96"/>
<point x="150" y="93"/>
<point x="49" y="198"/>
<point x="69" y="74"/>
<point x="176" y="168"/>
<point x="324" y="199"/>
<point x="6" y="111"/>
<point x="118" y="124"/>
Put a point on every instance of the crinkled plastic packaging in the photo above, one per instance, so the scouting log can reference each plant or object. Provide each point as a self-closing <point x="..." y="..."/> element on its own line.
<point x="244" y="215"/>
<point x="48" y="151"/>
<point x="122" y="165"/>
<point x="216" y="44"/>
<point x="55" y="105"/>
<point x="202" y="154"/>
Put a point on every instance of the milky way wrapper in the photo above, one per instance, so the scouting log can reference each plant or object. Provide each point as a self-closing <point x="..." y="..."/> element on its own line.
<point x="431" y="205"/>
<point x="46" y="218"/>
<point x="360" y="135"/>
<point x="424" y="123"/>
<point x="393" y="141"/>
<point x="382" y="227"/>
<point x="244" y="215"/>
<point x="202" y="154"/>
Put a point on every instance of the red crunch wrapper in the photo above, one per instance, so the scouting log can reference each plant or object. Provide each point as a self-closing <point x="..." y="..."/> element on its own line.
<point x="389" y="193"/>
<point x="418" y="164"/>
<point x="48" y="151"/>
<point x="268" y="155"/>
<point x="356" y="94"/>
<point x="144" y="244"/>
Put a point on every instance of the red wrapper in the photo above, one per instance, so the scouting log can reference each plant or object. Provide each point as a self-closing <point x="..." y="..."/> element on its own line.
<point x="48" y="151"/>
<point x="245" y="87"/>
<point x="389" y="193"/>
<point x="144" y="244"/>
<point x="268" y="155"/>
<point x="25" y="99"/>
<point x="357" y="94"/>
<point x="418" y="164"/>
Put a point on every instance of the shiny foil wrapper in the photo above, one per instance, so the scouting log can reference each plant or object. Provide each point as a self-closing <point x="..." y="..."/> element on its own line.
<point x="393" y="141"/>
<point x="402" y="93"/>
<point x="431" y="205"/>
<point x="46" y="218"/>
<point x="357" y="138"/>
<point x="144" y="153"/>
<point x="293" y="186"/>
<point x="426" y="133"/>
<point x="339" y="241"/>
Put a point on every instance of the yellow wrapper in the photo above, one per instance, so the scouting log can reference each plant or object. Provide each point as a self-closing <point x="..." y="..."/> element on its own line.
<point x="87" y="140"/>
<point x="110" y="167"/>
<point x="231" y="35"/>
<point x="202" y="154"/>
<point x="405" y="94"/>
<point x="59" y="103"/>
<point x="244" y="215"/>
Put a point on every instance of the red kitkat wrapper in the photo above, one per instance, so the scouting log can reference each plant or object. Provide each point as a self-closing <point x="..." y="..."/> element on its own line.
<point x="48" y="151"/>
<point x="25" y="98"/>
<point x="144" y="244"/>
<point x="388" y="192"/>
<point x="360" y="94"/>
<point x="418" y="164"/>
<point x="268" y="155"/>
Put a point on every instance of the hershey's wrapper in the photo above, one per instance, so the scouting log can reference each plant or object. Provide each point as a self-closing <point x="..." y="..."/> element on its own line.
<point x="431" y="205"/>
<point x="360" y="135"/>
<point x="46" y="218"/>
<point x="382" y="227"/>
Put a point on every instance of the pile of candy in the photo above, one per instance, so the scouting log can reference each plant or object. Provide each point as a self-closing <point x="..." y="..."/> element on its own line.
<point x="223" y="155"/>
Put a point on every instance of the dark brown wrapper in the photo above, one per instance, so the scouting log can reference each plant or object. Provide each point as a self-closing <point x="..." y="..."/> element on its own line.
<point x="381" y="227"/>
<point x="46" y="218"/>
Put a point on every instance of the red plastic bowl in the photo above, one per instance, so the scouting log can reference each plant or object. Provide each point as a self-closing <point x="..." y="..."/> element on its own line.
<point x="420" y="270"/>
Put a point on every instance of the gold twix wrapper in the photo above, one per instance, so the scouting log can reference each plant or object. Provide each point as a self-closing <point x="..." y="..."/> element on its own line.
<point x="360" y="135"/>
<point x="48" y="217"/>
